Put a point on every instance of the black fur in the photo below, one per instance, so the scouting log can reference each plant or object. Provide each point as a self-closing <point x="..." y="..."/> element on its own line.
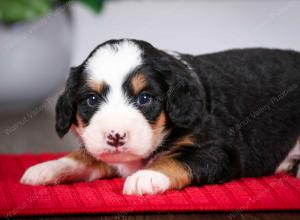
<point x="66" y="105"/>
<point x="253" y="113"/>
<point x="241" y="106"/>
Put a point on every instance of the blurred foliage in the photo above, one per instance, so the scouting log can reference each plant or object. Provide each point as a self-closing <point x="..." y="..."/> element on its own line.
<point x="17" y="10"/>
<point x="22" y="10"/>
<point x="95" y="5"/>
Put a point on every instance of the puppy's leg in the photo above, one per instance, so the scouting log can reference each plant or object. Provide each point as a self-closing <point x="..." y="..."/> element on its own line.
<point x="165" y="173"/>
<point x="77" y="166"/>
<point x="208" y="164"/>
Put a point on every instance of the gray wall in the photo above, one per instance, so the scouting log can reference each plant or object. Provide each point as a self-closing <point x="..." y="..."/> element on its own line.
<point x="191" y="26"/>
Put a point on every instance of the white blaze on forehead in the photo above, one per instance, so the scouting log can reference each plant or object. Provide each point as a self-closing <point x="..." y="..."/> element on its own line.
<point x="111" y="63"/>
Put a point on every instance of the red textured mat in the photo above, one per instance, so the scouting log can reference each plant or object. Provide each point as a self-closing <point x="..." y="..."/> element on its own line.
<point x="279" y="192"/>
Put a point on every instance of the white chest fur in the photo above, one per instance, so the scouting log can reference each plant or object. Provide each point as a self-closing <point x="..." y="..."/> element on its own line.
<point x="126" y="169"/>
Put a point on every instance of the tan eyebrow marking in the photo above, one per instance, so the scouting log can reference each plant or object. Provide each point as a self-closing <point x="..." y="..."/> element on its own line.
<point x="96" y="86"/>
<point x="138" y="83"/>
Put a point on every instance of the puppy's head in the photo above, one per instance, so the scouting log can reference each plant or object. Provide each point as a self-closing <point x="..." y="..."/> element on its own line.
<point x="125" y="98"/>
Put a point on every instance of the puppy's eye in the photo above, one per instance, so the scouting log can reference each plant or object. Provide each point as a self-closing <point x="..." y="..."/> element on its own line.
<point x="144" y="99"/>
<point x="92" y="100"/>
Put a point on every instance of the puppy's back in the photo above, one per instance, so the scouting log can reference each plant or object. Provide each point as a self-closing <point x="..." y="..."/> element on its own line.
<point x="256" y="92"/>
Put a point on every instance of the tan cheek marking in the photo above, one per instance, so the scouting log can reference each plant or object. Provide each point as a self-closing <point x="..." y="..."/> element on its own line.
<point x="84" y="157"/>
<point x="158" y="128"/>
<point x="80" y="124"/>
<point x="179" y="175"/>
<point x="138" y="83"/>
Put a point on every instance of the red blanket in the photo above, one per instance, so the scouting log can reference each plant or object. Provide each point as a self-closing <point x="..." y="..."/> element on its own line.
<point x="279" y="192"/>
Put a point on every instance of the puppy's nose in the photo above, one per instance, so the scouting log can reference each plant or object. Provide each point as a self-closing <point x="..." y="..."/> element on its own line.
<point x="116" y="139"/>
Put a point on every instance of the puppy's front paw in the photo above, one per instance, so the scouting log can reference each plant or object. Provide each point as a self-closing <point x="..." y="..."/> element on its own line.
<point x="47" y="173"/>
<point x="146" y="182"/>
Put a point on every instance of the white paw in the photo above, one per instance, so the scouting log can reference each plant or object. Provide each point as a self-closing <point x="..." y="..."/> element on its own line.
<point x="47" y="173"/>
<point x="146" y="182"/>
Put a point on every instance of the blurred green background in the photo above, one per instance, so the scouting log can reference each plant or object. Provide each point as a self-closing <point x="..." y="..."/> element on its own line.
<point x="24" y="10"/>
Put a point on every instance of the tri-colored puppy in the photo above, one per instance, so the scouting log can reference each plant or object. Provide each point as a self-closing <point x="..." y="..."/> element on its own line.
<point x="168" y="120"/>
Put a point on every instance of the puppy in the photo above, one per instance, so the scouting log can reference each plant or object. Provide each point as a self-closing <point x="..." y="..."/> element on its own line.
<point x="167" y="120"/>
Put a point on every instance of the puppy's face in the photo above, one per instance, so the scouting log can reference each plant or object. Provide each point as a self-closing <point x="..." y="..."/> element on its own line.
<point x="116" y="101"/>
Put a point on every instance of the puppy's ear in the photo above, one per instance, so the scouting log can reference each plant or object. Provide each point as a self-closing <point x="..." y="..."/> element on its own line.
<point x="66" y="104"/>
<point x="64" y="114"/>
<point x="185" y="101"/>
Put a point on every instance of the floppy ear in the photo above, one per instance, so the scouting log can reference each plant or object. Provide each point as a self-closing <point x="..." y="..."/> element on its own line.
<point x="64" y="114"/>
<point x="185" y="101"/>
<point x="66" y="105"/>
